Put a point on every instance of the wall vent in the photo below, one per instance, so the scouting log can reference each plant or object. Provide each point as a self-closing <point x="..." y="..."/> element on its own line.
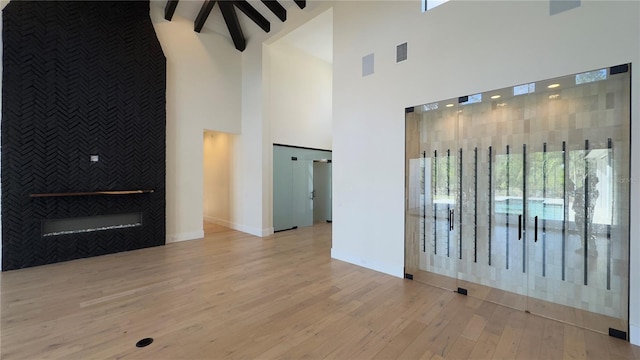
<point x="367" y="65"/>
<point x="401" y="52"/>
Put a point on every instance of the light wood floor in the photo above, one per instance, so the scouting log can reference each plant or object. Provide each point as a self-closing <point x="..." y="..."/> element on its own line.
<point x="232" y="295"/>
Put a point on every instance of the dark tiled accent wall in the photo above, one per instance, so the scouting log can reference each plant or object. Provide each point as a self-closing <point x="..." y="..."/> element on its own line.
<point x="80" y="79"/>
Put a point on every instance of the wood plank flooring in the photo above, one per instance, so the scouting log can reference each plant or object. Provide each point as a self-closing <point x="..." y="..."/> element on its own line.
<point x="232" y="295"/>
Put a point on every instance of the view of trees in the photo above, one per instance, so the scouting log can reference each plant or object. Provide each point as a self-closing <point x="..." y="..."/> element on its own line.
<point x="545" y="172"/>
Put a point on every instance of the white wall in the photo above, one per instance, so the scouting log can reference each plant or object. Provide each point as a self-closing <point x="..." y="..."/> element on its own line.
<point x="459" y="48"/>
<point x="203" y="92"/>
<point x="217" y="177"/>
<point x="300" y="97"/>
<point x="253" y="150"/>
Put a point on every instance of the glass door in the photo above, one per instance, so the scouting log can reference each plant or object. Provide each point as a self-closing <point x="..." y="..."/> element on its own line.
<point x="520" y="196"/>
<point x="432" y="215"/>
<point x="303" y="195"/>
<point x="495" y="130"/>
<point x="577" y="200"/>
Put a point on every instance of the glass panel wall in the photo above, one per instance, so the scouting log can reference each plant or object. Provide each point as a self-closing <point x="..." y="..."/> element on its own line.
<point x="520" y="196"/>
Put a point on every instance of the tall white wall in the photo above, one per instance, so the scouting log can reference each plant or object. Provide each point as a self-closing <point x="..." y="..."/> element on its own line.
<point x="300" y="97"/>
<point x="217" y="177"/>
<point x="459" y="48"/>
<point x="253" y="150"/>
<point x="203" y="92"/>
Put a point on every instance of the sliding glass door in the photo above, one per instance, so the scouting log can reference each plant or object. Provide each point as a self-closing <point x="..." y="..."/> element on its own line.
<point x="520" y="196"/>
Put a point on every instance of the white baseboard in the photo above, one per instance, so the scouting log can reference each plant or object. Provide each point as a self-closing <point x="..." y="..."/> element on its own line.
<point x="397" y="271"/>
<point x="185" y="236"/>
<point x="235" y="226"/>
<point x="634" y="334"/>
<point x="251" y="230"/>
<point x="217" y="221"/>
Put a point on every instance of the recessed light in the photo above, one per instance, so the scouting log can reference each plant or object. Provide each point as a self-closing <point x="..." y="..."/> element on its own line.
<point x="495" y="97"/>
<point x="553" y="86"/>
<point x="449" y="105"/>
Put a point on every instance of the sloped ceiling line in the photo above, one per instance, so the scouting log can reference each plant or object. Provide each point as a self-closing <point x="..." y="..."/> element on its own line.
<point x="227" y="7"/>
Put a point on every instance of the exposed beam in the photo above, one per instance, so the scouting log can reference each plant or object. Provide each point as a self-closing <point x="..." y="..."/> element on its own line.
<point x="276" y="8"/>
<point x="170" y="8"/>
<point x="205" y="10"/>
<point x="230" y="17"/>
<point x="301" y="3"/>
<point x="253" y="14"/>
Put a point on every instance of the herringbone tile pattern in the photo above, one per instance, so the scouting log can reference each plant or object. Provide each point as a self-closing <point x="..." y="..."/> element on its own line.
<point x="80" y="78"/>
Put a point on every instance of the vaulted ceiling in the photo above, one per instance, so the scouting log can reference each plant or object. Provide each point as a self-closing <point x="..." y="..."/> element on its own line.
<point x="228" y="9"/>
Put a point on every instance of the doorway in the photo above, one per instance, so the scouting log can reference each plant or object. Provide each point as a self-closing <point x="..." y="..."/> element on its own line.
<point x="217" y="182"/>
<point x="301" y="187"/>
<point x="322" y="191"/>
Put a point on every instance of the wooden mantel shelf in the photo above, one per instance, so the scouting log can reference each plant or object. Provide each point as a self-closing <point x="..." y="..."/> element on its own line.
<point x="91" y="193"/>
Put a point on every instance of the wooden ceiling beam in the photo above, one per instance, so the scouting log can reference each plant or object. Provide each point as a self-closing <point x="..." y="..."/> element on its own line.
<point x="276" y="8"/>
<point x="301" y="3"/>
<point x="205" y="10"/>
<point x="169" y="9"/>
<point x="231" y="18"/>
<point x="253" y="14"/>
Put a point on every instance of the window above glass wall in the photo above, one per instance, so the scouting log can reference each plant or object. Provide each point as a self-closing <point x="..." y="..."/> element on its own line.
<point x="430" y="4"/>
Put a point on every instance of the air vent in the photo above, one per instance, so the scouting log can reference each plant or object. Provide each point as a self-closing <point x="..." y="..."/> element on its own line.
<point x="367" y="65"/>
<point x="401" y="52"/>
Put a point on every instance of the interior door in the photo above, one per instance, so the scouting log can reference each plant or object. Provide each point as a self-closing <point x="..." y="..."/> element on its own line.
<point x="432" y="208"/>
<point x="509" y="231"/>
<point x="321" y="191"/>
<point x="282" y="185"/>
<point x="303" y="195"/>
<point x="578" y="203"/>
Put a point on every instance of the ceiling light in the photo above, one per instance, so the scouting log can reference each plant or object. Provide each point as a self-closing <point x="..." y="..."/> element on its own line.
<point x="495" y="97"/>
<point x="553" y="86"/>
<point x="449" y="105"/>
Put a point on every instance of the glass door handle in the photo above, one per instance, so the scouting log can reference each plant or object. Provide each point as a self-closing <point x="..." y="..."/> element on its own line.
<point x="451" y="221"/>
<point x="520" y="227"/>
<point x="535" y="227"/>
